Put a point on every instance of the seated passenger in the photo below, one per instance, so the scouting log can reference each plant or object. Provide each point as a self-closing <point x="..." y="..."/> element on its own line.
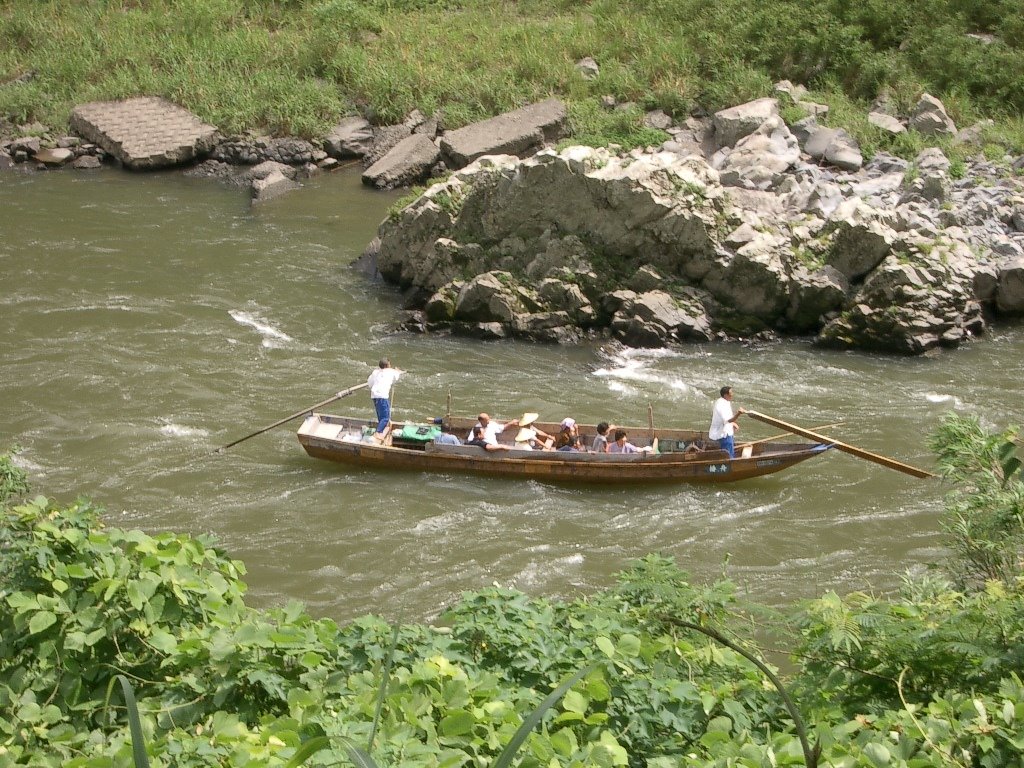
<point x="531" y="438"/>
<point x="621" y="445"/>
<point x="447" y="437"/>
<point x="600" y="444"/>
<point x="492" y="428"/>
<point x="568" y="434"/>
<point x="480" y="439"/>
<point x="575" y="445"/>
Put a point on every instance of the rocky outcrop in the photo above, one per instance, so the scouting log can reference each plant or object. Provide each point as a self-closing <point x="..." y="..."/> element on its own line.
<point x="544" y="247"/>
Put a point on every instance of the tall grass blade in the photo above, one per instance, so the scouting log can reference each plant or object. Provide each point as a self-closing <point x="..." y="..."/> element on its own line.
<point x="307" y="749"/>
<point x="138" y="742"/>
<point x="385" y="675"/>
<point x="359" y="758"/>
<point x="509" y="752"/>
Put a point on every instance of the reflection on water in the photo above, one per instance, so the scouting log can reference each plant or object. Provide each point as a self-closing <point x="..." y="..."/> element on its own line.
<point x="148" y="319"/>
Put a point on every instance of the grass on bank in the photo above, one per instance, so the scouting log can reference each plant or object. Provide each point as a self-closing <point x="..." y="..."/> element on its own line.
<point x="295" y="66"/>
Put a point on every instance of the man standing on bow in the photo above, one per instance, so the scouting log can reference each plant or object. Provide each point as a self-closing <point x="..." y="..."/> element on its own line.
<point x="723" y="422"/>
<point x="380" y="382"/>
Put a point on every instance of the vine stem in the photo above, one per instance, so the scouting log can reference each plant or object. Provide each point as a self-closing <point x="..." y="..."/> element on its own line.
<point x="811" y="754"/>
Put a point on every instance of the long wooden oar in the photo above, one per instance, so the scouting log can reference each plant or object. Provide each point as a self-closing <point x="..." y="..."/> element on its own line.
<point x="885" y="461"/>
<point x="338" y="396"/>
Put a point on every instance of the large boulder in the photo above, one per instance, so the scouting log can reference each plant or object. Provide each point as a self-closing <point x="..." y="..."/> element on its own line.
<point x="1010" y="291"/>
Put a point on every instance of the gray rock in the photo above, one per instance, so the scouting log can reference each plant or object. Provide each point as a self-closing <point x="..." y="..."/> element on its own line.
<point x="54" y="158"/>
<point x="588" y="68"/>
<point x="488" y="298"/>
<point x="734" y="123"/>
<point x="385" y="138"/>
<point x="352" y="137"/>
<point x="658" y="119"/>
<point x="273" y="185"/>
<point x="408" y="163"/>
<point x="975" y="133"/>
<point x="759" y="159"/>
<point x="929" y="117"/>
<point x="887" y="123"/>
<point x="815" y="295"/>
<point x="518" y="132"/>
<point x="1010" y="290"/>
<point x="835" y="146"/>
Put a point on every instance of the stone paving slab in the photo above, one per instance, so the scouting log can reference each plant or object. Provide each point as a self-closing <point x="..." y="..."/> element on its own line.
<point x="512" y="133"/>
<point x="145" y="132"/>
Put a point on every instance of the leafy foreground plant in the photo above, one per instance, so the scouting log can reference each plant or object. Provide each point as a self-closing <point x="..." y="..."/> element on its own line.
<point x="929" y="678"/>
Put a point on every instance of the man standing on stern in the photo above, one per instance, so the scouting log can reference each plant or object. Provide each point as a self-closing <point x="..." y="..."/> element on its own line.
<point x="723" y="422"/>
<point x="380" y="382"/>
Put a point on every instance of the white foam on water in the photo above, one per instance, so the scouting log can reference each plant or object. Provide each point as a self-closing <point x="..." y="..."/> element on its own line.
<point x="260" y="325"/>
<point x="937" y="397"/>
<point x="632" y="366"/>
<point x="177" y="430"/>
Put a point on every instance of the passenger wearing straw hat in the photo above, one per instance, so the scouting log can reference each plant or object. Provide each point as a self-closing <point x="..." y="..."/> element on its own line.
<point x="530" y="438"/>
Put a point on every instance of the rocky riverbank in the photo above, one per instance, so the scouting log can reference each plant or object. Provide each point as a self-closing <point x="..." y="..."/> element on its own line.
<point x="739" y="224"/>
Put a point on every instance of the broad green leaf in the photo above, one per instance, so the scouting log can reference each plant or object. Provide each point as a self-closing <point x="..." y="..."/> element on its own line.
<point x="40" y="621"/>
<point x="877" y="753"/>
<point x="574" y="701"/>
<point x="163" y="641"/>
<point x="457" y="723"/>
<point x="629" y="646"/>
<point x="606" y="646"/>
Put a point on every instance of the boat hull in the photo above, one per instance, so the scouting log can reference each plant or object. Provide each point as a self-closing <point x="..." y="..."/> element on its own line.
<point x="344" y="441"/>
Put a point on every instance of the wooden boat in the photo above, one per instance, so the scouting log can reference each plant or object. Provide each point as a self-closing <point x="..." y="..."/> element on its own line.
<point x="673" y="456"/>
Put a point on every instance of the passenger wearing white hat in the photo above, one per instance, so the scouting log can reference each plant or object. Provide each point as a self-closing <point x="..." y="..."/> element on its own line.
<point x="569" y="434"/>
<point x="531" y="438"/>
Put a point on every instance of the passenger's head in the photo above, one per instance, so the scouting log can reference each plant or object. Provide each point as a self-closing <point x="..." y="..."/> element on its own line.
<point x="478" y="433"/>
<point x="602" y="428"/>
<point x="620" y="434"/>
<point x="483" y="418"/>
<point x="446" y="428"/>
<point x="725" y="392"/>
<point x="568" y="424"/>
<point x="384" y="363"/>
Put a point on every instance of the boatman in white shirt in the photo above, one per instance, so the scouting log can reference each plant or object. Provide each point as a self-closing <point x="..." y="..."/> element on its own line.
<point x="723" y="421"/>
<point x="381" y="381"/>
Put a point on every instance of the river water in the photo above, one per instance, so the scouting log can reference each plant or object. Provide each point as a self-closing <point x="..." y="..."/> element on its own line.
<point x="146" y="320"/>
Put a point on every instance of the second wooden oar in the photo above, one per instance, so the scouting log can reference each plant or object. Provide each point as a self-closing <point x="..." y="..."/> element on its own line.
<point x="853" y="450"/>
<point x="338" y="396"/>
<point x="785" y="434"/>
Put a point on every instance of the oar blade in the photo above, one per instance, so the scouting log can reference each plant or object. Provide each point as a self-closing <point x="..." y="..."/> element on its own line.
<point x="853" y="450"/>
